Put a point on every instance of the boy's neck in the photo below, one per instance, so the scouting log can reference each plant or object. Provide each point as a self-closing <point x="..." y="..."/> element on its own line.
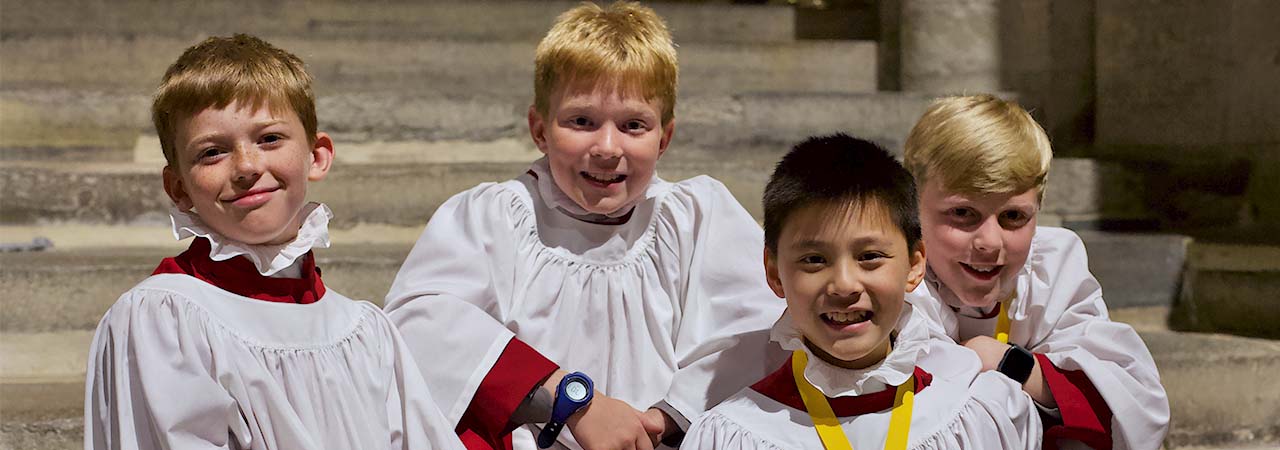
<point x="871" y="359"/>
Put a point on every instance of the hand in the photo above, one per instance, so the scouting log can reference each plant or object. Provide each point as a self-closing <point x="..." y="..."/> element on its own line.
<point x="989" y="350"/>
<point x="658" y="424"/>
<point x="611" y="424"/>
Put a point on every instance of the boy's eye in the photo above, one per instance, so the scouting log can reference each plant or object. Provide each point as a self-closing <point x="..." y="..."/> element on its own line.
<point x="271" y="138"/>
<point x="871" y="256"/>
<point x="1014" y="218"/>
<point x="209" y="153"/>
<point x="812" y="260"/>
<point x="635" y="125"/>
<point x="580" y="121"/>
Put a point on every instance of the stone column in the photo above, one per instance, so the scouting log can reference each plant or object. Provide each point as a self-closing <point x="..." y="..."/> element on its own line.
<point x="950" y="46"/>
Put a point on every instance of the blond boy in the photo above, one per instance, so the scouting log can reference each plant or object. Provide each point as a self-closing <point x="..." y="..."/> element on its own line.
<point x="1019" y="295"/>
<point x="650" y="290"/>
<point x="237" y="342"/>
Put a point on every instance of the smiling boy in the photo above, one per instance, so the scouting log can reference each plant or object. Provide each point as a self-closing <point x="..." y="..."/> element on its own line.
<point x="843" y="248"/>
<point x="1020" y="295"/>
<point x="237" y="342"/>
<point x="647" y="290"/>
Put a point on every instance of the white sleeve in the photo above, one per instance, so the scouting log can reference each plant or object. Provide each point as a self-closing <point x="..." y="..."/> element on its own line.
<point x="149" y="383"/>
<point x="1000" y="415"/>
<point x="1111" y="354"/>
<point x="443" y="299"/>
<point x="414" y="416"/>
<point x="713" y="431"/>
<point x="722" y="343"/>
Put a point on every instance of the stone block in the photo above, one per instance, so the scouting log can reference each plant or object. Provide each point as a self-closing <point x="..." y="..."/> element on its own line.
<point x="1231" y="288"/>
<point x="1089" y="193"/>
<point x="1187" y="72"/>
<point x="135" y="64"/>
<point x="1136" y="269"/>
<point x="393" y="19"/>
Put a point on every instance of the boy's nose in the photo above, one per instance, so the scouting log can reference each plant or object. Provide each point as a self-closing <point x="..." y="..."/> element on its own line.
<point x="845" y="282"/>
<point x="248" y="165"/>
<point x="987" y="238"/>
<point x="608" y="143"/>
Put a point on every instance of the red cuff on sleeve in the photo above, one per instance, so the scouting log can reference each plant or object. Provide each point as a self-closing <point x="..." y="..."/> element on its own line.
<point x="487" y="421"/>
<point x="1085" y="416"/>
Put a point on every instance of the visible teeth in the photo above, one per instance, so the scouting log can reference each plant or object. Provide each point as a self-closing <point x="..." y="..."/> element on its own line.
<point x="982" y="268"/>
<point x="846" y="317"/>
<point x="605" y="178"/>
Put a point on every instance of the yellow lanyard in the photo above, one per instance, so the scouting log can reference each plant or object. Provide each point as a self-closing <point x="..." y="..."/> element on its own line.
<point x="1002" y="323"/>
<point x="824" y="419"/>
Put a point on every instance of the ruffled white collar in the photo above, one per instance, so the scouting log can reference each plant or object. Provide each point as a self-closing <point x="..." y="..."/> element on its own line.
<point x="551" y="195"/>
<point x="271" y="260"/>
<point x="834" y="381"/>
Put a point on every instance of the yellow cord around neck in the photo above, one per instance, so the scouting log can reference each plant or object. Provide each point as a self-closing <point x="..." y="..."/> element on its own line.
<point x="828" y="426"/>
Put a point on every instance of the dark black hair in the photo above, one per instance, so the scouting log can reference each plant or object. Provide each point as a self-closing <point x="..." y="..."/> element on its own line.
<point x="839" y="168"/>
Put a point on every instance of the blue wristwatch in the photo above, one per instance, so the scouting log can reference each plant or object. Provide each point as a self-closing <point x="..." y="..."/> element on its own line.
<point x="574" y="393"/>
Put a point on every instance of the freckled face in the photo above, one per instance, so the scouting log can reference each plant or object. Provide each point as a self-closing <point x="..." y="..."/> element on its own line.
<point x="602" y="146"/>
<point x="245" y="171"/>
<point x="844" y="271"/>
<point x="977" y="242"/>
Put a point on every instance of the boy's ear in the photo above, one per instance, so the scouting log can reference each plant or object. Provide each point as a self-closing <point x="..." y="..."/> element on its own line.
<point x="537" y="129"/>
<point x="173" y="187"/>
<point x="918" y="264"/>
<point x="771" y="273"/>
<point x="321" y="157"/>
<point x="668" y="130"/>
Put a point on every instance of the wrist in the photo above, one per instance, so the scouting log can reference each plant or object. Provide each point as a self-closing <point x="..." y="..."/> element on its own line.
<point x="1017" y="364"/>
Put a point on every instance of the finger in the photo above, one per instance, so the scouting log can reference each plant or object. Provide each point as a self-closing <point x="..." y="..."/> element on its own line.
<point x="653" y="422"/>
<point x="643" y="443"/>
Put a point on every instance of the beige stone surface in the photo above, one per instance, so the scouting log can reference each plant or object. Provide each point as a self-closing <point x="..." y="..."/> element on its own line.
<point x="950" y="46"/>
<point x="1185" y="73"/>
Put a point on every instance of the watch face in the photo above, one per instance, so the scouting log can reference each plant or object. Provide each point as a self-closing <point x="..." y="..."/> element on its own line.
<point x="576" y="390"/>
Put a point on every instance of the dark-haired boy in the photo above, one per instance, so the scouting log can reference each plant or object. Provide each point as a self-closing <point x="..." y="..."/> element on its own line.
<point x="843" y="247"/>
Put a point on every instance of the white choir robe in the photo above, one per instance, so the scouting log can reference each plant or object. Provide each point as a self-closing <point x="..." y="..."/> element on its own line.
<point x="1100" y="372"/>
<point x="180" y="363"/>
<point x="960" y="408"/>
<point x="669" y="309"/>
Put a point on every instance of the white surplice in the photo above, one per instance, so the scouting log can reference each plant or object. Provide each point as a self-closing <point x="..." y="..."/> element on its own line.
<point x="669" y="309"/>
<point x="178" y="363"/>
<point x="962" y="408"/>
<point x="1059" y="312"/>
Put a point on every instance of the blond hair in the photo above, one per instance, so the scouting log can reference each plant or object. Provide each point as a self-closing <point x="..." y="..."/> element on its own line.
<point x="979" y="144"/>
<point x="624" y="46"/>
<point x="222" y="70"/>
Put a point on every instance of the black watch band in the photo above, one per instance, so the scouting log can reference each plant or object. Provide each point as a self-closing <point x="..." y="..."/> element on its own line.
<point x="1017" y="363"/>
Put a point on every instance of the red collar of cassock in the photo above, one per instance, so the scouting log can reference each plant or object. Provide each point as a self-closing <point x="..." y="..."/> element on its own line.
<point x="781" y="386"/>
<point x="239" y="276"/>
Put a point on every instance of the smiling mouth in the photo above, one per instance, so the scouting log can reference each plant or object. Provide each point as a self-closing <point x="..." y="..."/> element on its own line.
<point x="250" y="193"/>
<point x="603" y="178"/>
<point x="842" y="319"/>
<point x="982" y="271"/>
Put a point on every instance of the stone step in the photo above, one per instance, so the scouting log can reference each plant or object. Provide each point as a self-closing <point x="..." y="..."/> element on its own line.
<point x="405" y="193"/>
<point x="1232" y="285"/>
<point x="1237" y="414"/>
<point x="61" y="124"/>
<point x="135" y="64"/>
<point x="391" y="19"/>
<point x="1136" y="269"/>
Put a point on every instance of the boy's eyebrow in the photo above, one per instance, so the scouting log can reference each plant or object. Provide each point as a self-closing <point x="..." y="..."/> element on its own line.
<point x="859" y="242"/>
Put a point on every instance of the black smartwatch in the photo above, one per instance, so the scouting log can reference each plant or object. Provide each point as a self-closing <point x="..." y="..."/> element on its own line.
<point x="574" y="393"/>
<point x="1017" y="363"/>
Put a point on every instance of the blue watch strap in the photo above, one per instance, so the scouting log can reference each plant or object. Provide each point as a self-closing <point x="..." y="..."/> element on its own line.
<point x="574" y="392"/>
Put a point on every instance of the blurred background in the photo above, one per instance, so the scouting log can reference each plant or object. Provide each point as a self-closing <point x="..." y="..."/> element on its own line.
<point x="1164" y="116"/>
